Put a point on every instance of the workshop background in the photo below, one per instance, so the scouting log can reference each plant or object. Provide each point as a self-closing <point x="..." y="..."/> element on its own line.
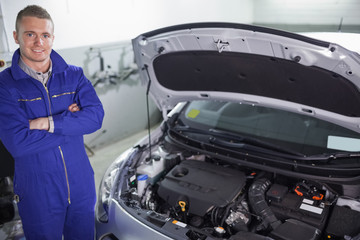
<point x="96" y="35"/>
<point x="89" y="33"/>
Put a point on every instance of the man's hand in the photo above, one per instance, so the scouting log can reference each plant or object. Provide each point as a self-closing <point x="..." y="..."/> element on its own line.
<point x="74" y="108"/>
<point x="43" y="122"/>
<point x="39" y="123"/>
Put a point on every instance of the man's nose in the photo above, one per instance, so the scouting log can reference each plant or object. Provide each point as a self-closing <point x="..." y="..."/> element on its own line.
<point x="39" y="40"/>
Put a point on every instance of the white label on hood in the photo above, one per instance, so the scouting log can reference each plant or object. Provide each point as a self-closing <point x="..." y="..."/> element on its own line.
<point x="343" y="143"/>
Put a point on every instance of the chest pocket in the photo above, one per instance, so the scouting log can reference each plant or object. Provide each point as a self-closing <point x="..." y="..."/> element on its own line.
<point x="61" y="101"/>
<point x="33" y="104"/>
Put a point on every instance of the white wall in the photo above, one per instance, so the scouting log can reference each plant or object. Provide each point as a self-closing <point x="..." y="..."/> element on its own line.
<point x="307" y="11"/>
<point x="88" y="22"/>
<point x="109" y="25"/>
<point x="124" y="101"/>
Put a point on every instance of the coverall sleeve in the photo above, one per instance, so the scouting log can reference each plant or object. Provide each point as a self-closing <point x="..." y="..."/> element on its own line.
<point x="15" y="132"/>
<point x="88" y="119"/>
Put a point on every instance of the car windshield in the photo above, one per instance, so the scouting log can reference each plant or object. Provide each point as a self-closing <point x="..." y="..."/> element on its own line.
<point x="296" y="132"/>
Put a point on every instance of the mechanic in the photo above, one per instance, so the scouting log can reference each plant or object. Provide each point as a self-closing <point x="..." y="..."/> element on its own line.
<point x="46" y="107"/>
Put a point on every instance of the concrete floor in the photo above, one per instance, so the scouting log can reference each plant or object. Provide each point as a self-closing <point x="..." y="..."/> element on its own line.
<point x="100" y="161"/>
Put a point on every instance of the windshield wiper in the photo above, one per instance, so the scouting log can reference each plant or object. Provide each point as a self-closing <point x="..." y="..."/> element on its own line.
<point x="252" y="144"/>
<point x="258" y="145"/>
<point x="233" y="140"/>
<point x="278" y="150"/>
<point x="334" y="156"/>
<point x="237" y="141"/>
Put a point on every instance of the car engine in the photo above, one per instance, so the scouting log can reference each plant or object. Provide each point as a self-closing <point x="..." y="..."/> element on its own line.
<point x="215" y="200"/>
<point x="200" y="186"/>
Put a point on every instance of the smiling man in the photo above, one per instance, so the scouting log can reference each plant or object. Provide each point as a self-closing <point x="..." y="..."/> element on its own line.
<point x="35" y="37"/>
<point x="46" y="107"/>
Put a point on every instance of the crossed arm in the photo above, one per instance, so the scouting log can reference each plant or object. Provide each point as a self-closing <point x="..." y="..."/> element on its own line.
<point x="43" y="122"/>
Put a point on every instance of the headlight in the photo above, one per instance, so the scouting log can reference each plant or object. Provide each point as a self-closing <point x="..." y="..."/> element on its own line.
<point x="107" y="186"/>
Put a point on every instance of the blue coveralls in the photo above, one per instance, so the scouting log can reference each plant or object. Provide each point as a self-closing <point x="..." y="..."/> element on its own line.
<point x="53" y="176"/>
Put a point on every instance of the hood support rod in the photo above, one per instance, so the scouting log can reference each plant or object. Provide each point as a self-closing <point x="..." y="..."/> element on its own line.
<point x="147" y="107"/>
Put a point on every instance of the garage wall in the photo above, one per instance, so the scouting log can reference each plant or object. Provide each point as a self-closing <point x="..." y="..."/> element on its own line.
<point x="308" y="15"/>
<point x="85" y="28"/>
<point x="122" y="95"/>
<point x="86" y="22"/>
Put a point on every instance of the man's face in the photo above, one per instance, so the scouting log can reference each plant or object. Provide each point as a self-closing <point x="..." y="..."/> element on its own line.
<point x="35" y="38"/>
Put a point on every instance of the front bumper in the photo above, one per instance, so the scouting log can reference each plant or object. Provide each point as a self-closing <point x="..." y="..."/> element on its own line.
<point x="122" y="225"/>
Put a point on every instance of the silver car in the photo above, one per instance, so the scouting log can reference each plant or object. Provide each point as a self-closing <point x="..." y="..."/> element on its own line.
<point x="260" y="139"/>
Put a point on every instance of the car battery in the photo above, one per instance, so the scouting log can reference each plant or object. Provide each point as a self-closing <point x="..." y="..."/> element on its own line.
<point x="287" y="205"/>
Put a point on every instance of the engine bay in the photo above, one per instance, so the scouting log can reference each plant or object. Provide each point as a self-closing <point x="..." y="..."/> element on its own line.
<point x="210" y="199"/>
<point x="200" y="186"/>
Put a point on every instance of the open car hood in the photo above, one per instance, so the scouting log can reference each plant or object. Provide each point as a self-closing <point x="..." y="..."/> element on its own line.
<point x="251" y="65"/>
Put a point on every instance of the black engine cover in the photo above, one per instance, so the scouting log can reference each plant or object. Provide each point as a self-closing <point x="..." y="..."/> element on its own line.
<point x="201" y="186"/>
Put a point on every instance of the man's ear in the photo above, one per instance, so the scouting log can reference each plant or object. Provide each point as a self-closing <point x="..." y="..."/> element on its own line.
<point x="15" y="37"/>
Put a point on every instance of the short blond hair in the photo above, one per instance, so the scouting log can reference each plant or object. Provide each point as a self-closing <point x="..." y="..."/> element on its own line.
<point x="32" y="11"/>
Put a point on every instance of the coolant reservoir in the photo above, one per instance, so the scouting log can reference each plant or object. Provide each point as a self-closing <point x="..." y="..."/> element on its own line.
<point x="141" y="183"/>
<point x="153" y="168"/>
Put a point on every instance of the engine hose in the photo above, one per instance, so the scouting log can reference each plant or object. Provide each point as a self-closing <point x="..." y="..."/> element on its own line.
<point x="259" y="205"/>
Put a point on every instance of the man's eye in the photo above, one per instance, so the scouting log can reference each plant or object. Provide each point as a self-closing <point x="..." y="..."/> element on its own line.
<point x="29" y="35"/>
<point x="46" y="36"/>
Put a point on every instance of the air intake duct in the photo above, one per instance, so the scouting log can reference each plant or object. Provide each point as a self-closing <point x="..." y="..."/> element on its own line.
<point x="259" y="205"/>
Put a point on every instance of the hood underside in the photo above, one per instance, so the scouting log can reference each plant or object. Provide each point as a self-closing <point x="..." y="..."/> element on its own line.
<point x="252" y="64"/>
<point x="257" y="75"/>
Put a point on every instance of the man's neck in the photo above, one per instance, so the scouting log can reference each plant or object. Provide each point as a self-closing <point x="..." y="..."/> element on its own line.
<point x="42" y="77"/>
<point x="42" y="67"/>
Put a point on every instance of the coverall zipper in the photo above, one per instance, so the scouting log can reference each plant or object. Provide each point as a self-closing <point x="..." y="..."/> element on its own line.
<point x="61" y="153"/>
<point x="66" y="175"/>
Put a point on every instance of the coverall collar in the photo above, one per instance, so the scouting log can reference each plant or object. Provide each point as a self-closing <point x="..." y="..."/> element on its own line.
<point x="58" y="65"/>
